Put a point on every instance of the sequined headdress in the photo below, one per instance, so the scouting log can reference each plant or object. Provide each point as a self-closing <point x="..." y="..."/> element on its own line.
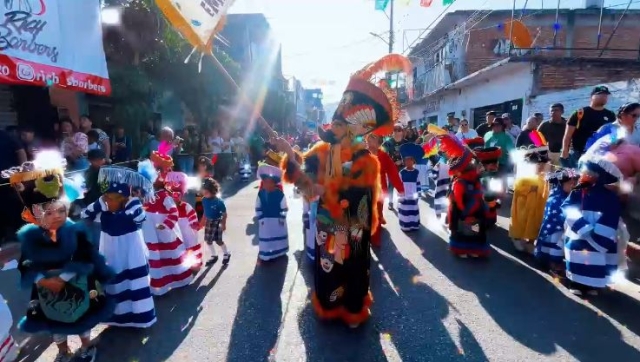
<point x="368" y="107"/>
<point x="122" y="180"/>
<point x="38" y="183"/>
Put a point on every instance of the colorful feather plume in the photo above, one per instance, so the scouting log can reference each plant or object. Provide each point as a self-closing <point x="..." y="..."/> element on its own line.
<point x="164" y="148"/>
<point x="432" y="128"/>
<point x="430" y="148"/>
<point x="451" y="146"/>
<point x="363" y="116"/>
<point x="537" y="138"/>
<point x="147" y="170"/>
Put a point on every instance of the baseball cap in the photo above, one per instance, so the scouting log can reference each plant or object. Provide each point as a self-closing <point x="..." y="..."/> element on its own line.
<point x="498" y="121"/>
<point x="505" y="115"/>
<point x="601" y="89"/>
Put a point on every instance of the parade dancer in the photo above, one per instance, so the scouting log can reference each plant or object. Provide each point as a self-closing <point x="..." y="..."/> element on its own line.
<point x="169" y="267"/>
<point x="442" y="180"/>
<point x="592" y="213"/>
<point x="58" y="262"/>
<point x="408" y="208"/>
<point x="530" y="193"/>
<point x="163" y="163"/>
<point x="493" y="185"/>
<point x="550" y="242"/>
<point x="344" y="174"/>
<point x="388" y="173"/>
<point x="121" y="242"/>
<point x="271" y="212"/>
<point x="467" y="209"/>
<point x="177" y="185"/>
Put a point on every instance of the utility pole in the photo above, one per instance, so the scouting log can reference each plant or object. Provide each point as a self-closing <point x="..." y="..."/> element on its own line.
<point x="391" y="35"/>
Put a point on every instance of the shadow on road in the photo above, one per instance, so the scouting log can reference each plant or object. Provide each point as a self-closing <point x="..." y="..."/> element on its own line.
<point x="528" y="307"/>
<point x="177" y="313"/>
<point x="406" y="322"/>
<point x="259" y="315"/>
<point x="232" y="187"/>
<point x="252" y="230"/>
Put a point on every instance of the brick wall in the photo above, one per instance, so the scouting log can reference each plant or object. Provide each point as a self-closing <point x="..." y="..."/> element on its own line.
<point x="578" y="30"/>
<point x="576" y="74"/>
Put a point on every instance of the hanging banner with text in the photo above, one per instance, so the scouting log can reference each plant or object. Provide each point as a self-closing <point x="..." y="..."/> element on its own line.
<point x="39" y="47"/>
<point x="197" y="21"/>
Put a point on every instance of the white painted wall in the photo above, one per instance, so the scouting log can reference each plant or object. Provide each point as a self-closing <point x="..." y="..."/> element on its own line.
<point x="512" y="83"/>
<point x="621" y="93"/>
<point x="497" y="86"/>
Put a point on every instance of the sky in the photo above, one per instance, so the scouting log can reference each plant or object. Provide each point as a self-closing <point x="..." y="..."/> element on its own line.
<point x="325" y="41"/>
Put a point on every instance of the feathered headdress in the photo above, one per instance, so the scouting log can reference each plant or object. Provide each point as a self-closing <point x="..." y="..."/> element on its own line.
<point x="562" y="175"/>
<point x="39" y="183"/>
<point x="537" y="152"/>
<point x="430" y="147"/>
<point x="433" y="129"/>
<point x="122" y="180"/>
<point x="367" y="107"/>
<point x="161" y="158"/>
<point x="458" y="155"/>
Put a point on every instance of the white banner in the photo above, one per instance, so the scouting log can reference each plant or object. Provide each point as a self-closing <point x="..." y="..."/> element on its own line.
<point x="201" y="16"/>
<point x="54" y="43"/>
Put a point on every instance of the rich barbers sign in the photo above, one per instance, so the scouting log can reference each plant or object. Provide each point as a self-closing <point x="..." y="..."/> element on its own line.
<point x="53" y="43"/>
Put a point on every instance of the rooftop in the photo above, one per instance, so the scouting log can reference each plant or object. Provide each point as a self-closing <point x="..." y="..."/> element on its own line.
<point x="451" y="20"/>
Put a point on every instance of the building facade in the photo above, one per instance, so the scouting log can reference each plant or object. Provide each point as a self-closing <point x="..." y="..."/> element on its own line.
<point x="467" y="65"/>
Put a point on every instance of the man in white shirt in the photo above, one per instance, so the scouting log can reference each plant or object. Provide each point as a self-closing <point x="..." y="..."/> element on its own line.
<point x="465" y="132"/>
<point x="510" y="128"/>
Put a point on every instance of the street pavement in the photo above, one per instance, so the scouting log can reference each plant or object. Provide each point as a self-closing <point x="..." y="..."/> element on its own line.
<point x="429" y="306"/>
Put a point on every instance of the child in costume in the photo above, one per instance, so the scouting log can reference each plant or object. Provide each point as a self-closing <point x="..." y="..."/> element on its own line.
<point x="493" y="185"/>
<point x="121" y="242"/>
<point x="176" y="184"/>
<point x="550" y="242"/>
<point x="204" y="169"/>
<point x="467" y="208"/>
<point x="58" y="263"/>
<point x="408" y="208"/>
<point x="592" y="213"/>
<point x="388" y="174"/>
<point x="271" y="211"/>
<point x="167" y="251"/>
<point x="530" y="194"/>
<point x="214" y="220"/>
<point x="163" y="163"/>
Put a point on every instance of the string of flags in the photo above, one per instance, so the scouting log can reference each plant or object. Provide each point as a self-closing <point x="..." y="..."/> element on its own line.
<point x="381" y="5"/>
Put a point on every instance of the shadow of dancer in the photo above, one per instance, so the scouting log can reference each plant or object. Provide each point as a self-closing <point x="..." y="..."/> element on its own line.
<point x="259" y="315"/>
<point x="252" y="230"/>
<point x="528" y="307"/>
<point x="177" y="313"/>
<point x="406" y="322"/>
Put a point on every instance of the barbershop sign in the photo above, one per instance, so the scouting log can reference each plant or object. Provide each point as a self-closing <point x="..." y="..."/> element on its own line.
<point x="55" y="43"/>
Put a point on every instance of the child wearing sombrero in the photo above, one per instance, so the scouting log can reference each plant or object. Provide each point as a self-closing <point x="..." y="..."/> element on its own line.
<point x="271" y="211"/>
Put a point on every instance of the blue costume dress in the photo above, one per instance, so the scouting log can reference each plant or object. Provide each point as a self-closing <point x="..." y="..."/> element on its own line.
<point x="271" y="211"/>
<point x="592" y="214"/>
<point x="74" y="258"/>
<point x="550" y="241"/>
<point x="122" y="244"/>
<point x="408" y="208"/>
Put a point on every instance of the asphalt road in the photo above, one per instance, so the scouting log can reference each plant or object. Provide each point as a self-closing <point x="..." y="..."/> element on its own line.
<point x="428" y="306"/>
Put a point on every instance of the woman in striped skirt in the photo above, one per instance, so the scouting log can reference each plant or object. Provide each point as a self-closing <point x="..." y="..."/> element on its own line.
<point x="121" y="216"/>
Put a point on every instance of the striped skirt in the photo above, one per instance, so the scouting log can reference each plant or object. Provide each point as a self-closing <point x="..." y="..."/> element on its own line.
<point x="273" y="238"/>
<point x="131" y="288"/>
<point x="409" y="213"/>
<point x="168" y="262"/>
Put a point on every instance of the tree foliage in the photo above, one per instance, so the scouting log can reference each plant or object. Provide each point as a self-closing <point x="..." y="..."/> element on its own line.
<point x="146" y="59"/>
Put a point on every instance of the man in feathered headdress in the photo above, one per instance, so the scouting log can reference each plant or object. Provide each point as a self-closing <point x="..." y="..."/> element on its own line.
<point x="493" y="185"/>
<point x="467" y="210"/>
<point x="343" y="174"/>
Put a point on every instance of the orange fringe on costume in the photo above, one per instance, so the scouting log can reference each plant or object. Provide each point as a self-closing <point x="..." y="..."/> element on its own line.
<point x="341" y="312"/>
<point x="367" y="166"/>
